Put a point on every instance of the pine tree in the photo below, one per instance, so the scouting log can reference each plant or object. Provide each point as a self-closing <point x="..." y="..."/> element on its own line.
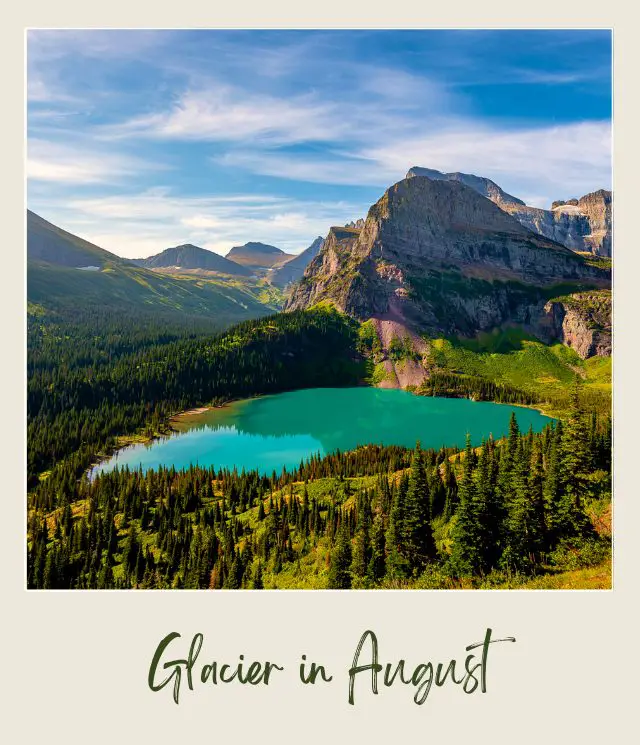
<point x="525" y="523"/>
<point x="466" y="555"/>
<point x="257" y="577"/>
<point x="575" y="466"/>
<point x="396" y="563"/>
<point x="360" y="556"/>
<point x="340" y="568"/>
<point x="418" y="545"/>
<point x="376" y="568"/>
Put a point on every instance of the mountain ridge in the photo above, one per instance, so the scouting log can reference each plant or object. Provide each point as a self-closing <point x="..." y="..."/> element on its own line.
<point x="258" y="255"/>
<point x="47" y="243"/>
<point x="293" y="269"/>
<point x="437" y="257"/>
<point x="189" y="256"/>
<point x="481" y="184"/>
<point x="583" y="225"/>
<point x="65" y="271"/>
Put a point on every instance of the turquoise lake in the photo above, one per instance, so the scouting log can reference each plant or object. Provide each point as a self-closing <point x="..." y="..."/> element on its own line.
<point x="272" y="432"/>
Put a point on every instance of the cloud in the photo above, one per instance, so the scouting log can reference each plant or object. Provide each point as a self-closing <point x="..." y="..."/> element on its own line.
<point x="338" y="168"/>
<point x="224" y="114"/>
<point x="561" y="159"/>
<point x="68" y="164"/>
<point x="139" y="225"/>
<point x="267" y="115"/>
<point x="227" y="114"/>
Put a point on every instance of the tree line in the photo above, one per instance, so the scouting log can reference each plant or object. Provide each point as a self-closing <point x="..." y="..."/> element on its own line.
<point x="78" y="401"/>
<point x="375" y="517"/>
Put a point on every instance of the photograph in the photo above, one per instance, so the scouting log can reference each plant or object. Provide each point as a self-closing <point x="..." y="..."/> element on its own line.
<point x="318" y="309"/>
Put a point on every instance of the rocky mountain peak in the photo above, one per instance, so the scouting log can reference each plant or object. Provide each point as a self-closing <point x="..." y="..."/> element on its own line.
<point x="582" y="225"/>
<point x="436" y="255"/>
<point x="482" y="185"/>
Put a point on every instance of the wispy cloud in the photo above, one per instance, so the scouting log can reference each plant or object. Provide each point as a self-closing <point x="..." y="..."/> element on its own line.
<point x="563" y="160"/>
<point x="558" y="160"/>
<point x="80" y="164"/>
<point x="388" y="102"/>
<point x="275" y="136"/>
<point x="222" y="114"/>
<point x="140" y="225"/>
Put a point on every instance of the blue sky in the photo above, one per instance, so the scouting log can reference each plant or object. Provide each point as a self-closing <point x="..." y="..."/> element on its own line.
<point x="140" y="140"/>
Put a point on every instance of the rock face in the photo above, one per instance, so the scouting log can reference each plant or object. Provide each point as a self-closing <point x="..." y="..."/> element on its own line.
<point x="193" y="257"/>
<point x="282" y="275"/>
<point x="597" y="207"/>
<point x="484" y="186"/>
<point x="581" y="321"/>
<point x="437" y="256"/>
<point x="434" y="256"/>
<point x="579" y="224"/>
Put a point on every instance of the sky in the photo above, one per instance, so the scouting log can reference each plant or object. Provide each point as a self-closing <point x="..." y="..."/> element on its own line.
<point x="141" y="140"/>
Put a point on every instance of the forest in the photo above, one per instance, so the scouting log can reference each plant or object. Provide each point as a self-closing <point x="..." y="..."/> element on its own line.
<point x="523" y="507"/>
<point x="82" y="394"/>
<point x="374" y="517"/>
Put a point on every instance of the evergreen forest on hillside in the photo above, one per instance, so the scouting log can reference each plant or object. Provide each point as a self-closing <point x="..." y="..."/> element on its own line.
<point x="511" y="512"/>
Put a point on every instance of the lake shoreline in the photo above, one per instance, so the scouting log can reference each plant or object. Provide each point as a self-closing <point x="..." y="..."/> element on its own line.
<point x="182" y="421"/>
<point x="138" y="438"/>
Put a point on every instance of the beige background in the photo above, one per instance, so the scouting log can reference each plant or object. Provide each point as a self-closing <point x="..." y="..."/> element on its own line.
<point x="74" y="665"/>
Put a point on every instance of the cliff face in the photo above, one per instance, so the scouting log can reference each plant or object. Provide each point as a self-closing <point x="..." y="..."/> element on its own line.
<point x="597" y="207"/>
<point x="437" y="256"/>
<point x="579" y="224"/>
<point x="581" y="321"/>
<point x="484" y="186"/>
<point x="292" y="270"/>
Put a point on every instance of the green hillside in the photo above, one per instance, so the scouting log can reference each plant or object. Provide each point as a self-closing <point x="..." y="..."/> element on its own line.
<point x="126" y="287"/>
<point x="48" y="243"/>
<point x="67" y="272"/>
<point x="515" y="359"/>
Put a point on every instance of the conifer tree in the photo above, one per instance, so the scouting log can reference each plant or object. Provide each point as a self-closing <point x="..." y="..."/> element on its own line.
<point x="257" y="577"/>
<point x="466" y="555"/>
<point x="360" y="556"/>
<point x="418" y="545"/>
<point x="376" y="568"/>
<point x="341" y="555"/>
<point x="575" y="465"/>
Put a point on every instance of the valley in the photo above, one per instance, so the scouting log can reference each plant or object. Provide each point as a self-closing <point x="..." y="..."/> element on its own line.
<point x="442" y="293"/>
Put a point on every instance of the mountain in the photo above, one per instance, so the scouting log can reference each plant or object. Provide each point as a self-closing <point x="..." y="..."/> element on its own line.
<point x="583" y="225"/>
<point x="188" y="256"/>
<point x="258" y="255"/>
<point x="484" y="186"/>
<point x="359" y="223"/>
<point x="292" y="270"/>
<point x="47" y="243"/>
<point x="65" y="272"/>
<point x="436" y="257"/>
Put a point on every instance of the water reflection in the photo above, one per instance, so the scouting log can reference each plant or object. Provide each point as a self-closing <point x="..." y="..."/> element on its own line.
<point x="281" y="430"/>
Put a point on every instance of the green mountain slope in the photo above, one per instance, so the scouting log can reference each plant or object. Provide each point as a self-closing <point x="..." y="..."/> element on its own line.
<point x="67" y="272"/>
<point x="48" y="243"/>
<point x="257" y="255"/>
<point x="189" y="256"/>
<point x="125" y="287"/>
